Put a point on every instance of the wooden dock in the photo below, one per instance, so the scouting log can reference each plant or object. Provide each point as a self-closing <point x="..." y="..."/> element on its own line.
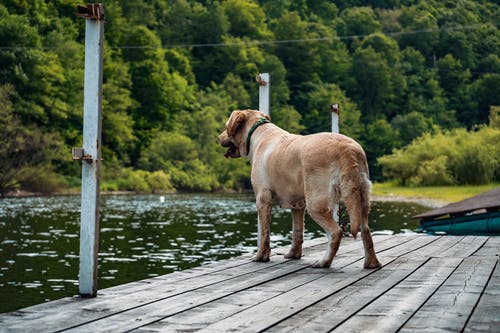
<point x="426" y="284"/>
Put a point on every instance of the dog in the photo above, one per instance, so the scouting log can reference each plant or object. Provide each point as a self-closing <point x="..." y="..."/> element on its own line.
<point x="312" y="172"/>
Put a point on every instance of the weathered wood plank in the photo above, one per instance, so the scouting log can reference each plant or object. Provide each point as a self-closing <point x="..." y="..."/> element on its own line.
<point x="155" y="311"/>
<point x="302" y="292"/>
<point x="491" y="248"/>
<point x="353" y="246"/>
<point x="324" y="315"/>
<point x="120" y="298"/>
<point x="223" y="289"/>
<point x="465" y="248"/>
<point x="420" y="274"/>
<point x="390" y="311"/>
<point x="202" y="316"/>
<point x="453" y="302"/>
<point x="267" y="314"/>
<point x="82" y="311"/>
<point x="485" y="317"/>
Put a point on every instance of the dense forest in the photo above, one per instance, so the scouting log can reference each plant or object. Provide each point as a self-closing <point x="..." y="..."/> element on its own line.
<point x="417" y="82"/>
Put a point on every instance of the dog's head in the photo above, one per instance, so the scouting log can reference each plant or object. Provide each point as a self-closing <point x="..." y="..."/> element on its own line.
<point x="237" y="127"/>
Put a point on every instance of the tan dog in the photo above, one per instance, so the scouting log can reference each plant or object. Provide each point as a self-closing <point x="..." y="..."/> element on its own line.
<point x="312" y="172"/>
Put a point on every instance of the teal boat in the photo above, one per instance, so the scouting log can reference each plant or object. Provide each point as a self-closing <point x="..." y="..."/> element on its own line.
<point x="479" y="215"/>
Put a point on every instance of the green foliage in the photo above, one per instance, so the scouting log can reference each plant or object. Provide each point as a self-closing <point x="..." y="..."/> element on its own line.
<point x="401" y="71"/>
<point x="379" y="138"/>
<point x="358" y="21"/>
<point x="458" y="157"/>
<point x="412" y="125"/>
<point x="494" y="118"/>
<point x="26" y="153"/>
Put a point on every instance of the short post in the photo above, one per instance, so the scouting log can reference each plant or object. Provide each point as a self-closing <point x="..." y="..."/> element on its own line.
<point x="335" y="111"/>
<point x="90" y="154"/>
<point x="264" y="81"/>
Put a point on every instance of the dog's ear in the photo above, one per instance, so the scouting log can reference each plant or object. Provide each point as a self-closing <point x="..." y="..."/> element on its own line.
<point x="235" y="122"/>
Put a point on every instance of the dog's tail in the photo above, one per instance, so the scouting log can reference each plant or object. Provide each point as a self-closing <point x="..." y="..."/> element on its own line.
<point x="359" y="204"/>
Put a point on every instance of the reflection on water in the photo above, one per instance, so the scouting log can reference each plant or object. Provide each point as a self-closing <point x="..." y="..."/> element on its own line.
<point x="140" y="236"/>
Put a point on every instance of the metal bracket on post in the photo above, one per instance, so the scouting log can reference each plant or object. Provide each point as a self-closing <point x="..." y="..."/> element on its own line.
<point x="335" y="110"/>
<point x="79" y="154"/>
<point x="93" y="11"/>
<point x="91" y="150"/>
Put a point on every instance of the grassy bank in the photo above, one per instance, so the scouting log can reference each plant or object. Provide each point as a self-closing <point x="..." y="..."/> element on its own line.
<point x="439" y="193"/>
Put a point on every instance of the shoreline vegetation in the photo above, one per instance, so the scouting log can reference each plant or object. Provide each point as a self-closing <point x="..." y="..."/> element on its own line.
<point x="416" y="82"/>
<point x="432" y="196"/>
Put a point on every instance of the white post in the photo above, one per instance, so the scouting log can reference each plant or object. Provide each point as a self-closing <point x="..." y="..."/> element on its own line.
<point x="91" y="152"/>
<point x="264" y="81"/>
<point x="335" y="110"/>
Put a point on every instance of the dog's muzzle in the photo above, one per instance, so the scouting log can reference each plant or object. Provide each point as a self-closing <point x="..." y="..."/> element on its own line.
<point x="232" y="150"/>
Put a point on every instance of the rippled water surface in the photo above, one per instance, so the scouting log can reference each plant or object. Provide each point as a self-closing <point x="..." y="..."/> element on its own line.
<point x="140" y="237"/>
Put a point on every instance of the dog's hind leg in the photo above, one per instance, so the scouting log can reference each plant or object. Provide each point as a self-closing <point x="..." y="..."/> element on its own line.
<point x="297" y="234"/>
<point x="323" y="215"/>
<point x="358" y="207"/>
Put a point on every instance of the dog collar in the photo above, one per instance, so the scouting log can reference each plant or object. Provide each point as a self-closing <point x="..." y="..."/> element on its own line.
<point x="261" y="121"/>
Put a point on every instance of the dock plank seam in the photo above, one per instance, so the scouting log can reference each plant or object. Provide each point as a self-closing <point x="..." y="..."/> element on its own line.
<point x="355" y="248"/>
<point x="428" y="243"/>
<point x="420" y="278"/>
<point x="429" y="297"/>
<point x="353" y="285"/>
<point x="388" y="261"/>
<point x="351" y="262"/>
<point x="480" y="297"/>
<point x="453" y="301"/>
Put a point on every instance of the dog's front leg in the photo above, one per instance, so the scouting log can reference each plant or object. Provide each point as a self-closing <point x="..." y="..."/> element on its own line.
<point x="264" y="206"/>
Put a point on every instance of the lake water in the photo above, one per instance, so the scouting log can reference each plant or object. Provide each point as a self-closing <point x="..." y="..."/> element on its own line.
<point x="140" y="237"/>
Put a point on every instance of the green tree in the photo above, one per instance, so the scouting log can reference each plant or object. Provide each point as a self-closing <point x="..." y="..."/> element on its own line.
<point x="412" y="125"/>
<point x="378" y="139"/>
<point x="294" y="55"/>
<point x="421" y="30"/>
<point x="454" y="80"/>
<point x="117" y="125"/>
<point x="247" y="19"/>
<point x="160" y="93"/>
<point x="317" y="116"/>
<point x="358" y="21"/>
<point x="26" y="152"/>
<point x="485" y="90"/>
<point x="373" y="82"/>
<point x="38" y="76"/>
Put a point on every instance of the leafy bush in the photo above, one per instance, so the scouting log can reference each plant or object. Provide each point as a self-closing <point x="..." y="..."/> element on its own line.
<point x="457" y="157"/>
<point x="432" y="172"/>
<point x="159" y="182"/>
<point x="41" y="180"/>
<point x="134" y="180"/>
<point x="176" y="155"/>
<point x="478" y="158"/>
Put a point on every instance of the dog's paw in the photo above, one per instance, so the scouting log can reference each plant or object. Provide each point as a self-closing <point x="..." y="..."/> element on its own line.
<point x="293" y="255"/>
<point x="372" y="264"/>
<point x="321" y="264"/>
<point x="261" y="256"/>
